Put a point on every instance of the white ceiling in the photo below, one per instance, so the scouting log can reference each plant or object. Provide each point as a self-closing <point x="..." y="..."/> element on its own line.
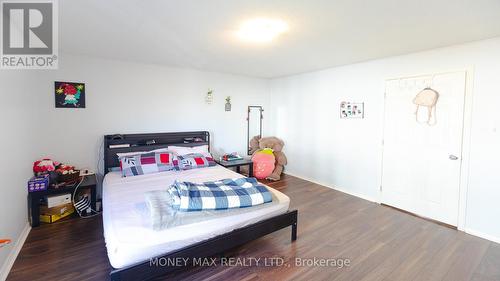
<point x="200" y="33"/>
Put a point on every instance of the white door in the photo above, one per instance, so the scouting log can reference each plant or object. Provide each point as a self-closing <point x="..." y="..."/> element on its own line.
<point x="421" y="163"/>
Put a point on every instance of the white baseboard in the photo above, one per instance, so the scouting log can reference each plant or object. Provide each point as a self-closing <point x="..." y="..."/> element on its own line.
<point x="333" y="187"/>
<point x="482" y="235"/>
<point x="14" y="252"/>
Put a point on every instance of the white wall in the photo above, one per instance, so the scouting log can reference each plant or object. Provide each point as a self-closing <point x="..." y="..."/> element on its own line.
<point x="347" y="153"/>
<point x="121" y="97"/>
<point x="19" y="150"/>
<point x="126" y="97"/>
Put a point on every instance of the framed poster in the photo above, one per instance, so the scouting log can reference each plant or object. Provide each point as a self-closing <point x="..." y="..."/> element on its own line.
<point x="352" y="110"/>
<point x="69" y="94"/>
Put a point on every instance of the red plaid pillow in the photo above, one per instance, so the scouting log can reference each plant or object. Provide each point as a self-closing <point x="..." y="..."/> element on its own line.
<point x="147" y="163"/>
<point x="193" y="161"/>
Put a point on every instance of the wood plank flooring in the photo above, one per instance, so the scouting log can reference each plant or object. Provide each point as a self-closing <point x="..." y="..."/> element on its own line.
<point x="380" y="242"/>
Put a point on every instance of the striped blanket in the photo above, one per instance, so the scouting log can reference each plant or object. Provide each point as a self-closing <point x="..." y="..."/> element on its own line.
<point x="218" y="195"/>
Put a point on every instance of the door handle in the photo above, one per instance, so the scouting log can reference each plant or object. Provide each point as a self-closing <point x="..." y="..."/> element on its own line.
<point x="453" y="157"/>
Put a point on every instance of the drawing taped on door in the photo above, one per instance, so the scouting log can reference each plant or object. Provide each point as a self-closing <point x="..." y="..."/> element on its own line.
<point x="421" y="163"/>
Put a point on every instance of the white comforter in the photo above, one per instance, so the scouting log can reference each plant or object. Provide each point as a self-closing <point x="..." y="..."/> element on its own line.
<point x="129" y="235"/>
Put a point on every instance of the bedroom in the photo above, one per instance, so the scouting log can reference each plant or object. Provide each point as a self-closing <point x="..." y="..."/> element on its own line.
<point x="169" y="67"/>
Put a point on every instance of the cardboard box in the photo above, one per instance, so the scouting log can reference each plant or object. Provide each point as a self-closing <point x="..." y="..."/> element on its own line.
<point x="57" y="210"/>
<point x="57" y="200"/>
<point x="54" y="218"/>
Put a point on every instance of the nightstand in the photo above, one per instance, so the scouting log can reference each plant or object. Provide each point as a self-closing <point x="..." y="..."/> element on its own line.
<point x="238" y="164"/>
<point x="89" y="182"/>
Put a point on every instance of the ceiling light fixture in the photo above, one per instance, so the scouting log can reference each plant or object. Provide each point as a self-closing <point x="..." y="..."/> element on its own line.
<point x="261" y="30"/>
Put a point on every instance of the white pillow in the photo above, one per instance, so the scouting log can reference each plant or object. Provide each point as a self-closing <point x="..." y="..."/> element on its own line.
<point x="125" y="154"/>
<point x="183" y="150"/>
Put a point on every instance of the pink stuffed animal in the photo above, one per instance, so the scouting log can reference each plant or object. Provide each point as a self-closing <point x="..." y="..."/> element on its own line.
<point x="44" y="166"/>
<point x="263" y="163"/>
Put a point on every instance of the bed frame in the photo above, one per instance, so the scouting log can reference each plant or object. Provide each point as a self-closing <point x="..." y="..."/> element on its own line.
<point x="205" y="249"/>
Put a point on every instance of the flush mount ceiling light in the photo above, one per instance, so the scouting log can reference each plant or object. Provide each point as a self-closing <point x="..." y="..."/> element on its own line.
<point x="261" y="30"/>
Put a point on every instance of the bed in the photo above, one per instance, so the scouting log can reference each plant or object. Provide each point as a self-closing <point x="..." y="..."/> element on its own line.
<point x="131" y="241"/>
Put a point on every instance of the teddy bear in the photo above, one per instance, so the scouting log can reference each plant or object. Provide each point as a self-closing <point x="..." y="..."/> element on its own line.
<point x="253" y="145"/>
<point x="257" y="144"/>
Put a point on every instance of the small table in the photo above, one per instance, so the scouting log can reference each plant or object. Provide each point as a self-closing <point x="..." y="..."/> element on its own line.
<point x="34" y="197"/>
<point x="238" y="164"/>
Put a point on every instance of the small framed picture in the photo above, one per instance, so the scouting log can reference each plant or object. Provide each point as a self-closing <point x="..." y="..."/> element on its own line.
<point x="69" y="94"/>
<point x="352" y="110"/>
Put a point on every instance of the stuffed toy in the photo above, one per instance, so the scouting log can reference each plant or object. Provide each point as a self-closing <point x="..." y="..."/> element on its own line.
<point x="276" y="145"/>
<point x="253" y="145"/>
<point x="66" y="169"/>
<point x="263" y="163"/>
<point x="44" y="166"/>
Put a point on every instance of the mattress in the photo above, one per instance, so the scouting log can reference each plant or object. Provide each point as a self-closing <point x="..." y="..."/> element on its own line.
<point x="128" y="233"/>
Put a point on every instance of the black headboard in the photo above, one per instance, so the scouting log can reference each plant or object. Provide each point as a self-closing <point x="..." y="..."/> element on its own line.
<point x="146" y="142"/>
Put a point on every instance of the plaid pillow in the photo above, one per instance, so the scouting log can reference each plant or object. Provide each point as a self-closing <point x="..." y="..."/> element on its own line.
<point x="147" y="163"/>
<point x="193" y="161"/>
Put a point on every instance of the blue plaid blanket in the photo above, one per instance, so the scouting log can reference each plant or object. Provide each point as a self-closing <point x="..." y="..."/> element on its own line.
<point x="218" y="195"/>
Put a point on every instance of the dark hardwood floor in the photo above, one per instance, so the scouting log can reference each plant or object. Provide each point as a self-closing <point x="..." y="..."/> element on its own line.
<point x="380" y="242"/>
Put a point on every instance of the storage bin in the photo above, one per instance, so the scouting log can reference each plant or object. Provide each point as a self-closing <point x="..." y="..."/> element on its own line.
<point x="38" y="183"/>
